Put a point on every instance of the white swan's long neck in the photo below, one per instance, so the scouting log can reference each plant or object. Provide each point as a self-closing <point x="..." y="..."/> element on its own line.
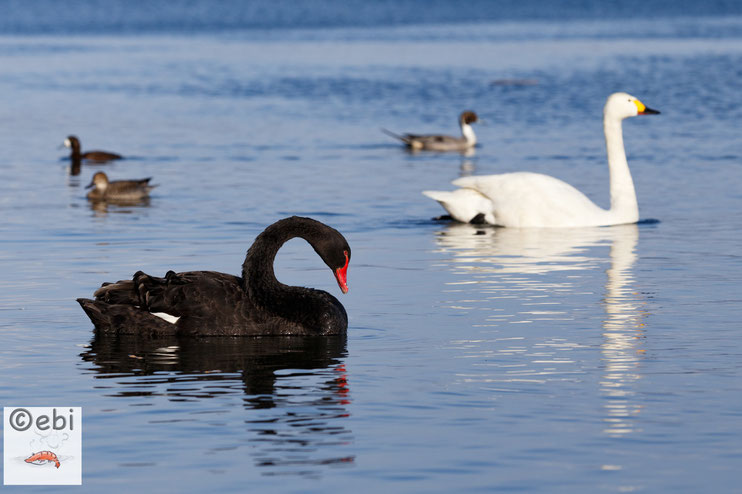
<point x="468" y="133"/>
<point x="623" y="195"/>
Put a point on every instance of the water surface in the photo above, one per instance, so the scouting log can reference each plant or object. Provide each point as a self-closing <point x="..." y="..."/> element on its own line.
<point x="477" y="359"/>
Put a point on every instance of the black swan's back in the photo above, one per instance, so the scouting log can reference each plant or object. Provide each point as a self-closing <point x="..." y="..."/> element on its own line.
<point x="212" y="303"/>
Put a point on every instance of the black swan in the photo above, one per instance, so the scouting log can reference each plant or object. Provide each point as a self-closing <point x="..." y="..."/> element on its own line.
<point x="76" y="155"/>
<point x="219" y="304"/>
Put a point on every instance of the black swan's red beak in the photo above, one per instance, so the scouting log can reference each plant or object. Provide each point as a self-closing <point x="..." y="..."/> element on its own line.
<point x="341" y="275"/>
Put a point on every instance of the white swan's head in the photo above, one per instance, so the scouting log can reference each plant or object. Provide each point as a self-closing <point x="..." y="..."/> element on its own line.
<point x="623" y="105"/>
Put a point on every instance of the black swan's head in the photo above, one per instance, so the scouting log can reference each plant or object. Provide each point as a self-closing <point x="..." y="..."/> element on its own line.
<point x="335" y="251"/>
<point x="327" y="242"/>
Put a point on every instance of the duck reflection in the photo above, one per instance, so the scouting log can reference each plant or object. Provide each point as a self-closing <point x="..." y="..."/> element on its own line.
<point x="103" y="207"/>
<point x="296" y="422"/>
<point x="75" y="166"/>
<point x="520" y="257"/>
<point x="468" y="165"/>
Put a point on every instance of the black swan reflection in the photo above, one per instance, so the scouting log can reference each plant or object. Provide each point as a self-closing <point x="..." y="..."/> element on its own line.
<point x="289" y="426"/>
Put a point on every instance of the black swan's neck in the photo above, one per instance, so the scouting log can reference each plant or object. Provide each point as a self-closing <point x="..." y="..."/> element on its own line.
<point x="257" y="270"/>
<point x="297" y="304"/>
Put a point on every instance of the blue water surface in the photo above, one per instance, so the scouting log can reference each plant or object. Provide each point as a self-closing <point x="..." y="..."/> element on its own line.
<point x="477" y="359"/>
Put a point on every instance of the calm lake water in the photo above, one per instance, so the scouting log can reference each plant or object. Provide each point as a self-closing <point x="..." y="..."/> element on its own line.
<point x="477" y="359"/>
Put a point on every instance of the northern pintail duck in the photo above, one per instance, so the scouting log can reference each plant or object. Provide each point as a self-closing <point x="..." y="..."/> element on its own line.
<point x="121" y="190"/>
<point x="220" y="304"/>
<point x="442" y="142"/>
<point x="73" y="143"/>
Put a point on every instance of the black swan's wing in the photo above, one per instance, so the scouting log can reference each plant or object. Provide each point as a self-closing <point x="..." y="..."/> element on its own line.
<point x="120" y="292"/>
<point x="204" y="301"/>
<point x="124" y="319"/>
<point x="207" y="302"/>
<point x="176" y="293"/>
<point x="190" y="294"/>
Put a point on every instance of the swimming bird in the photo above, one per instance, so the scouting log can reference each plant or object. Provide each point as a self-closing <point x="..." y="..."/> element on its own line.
<point x="524" y="199"/>
<point x="99" y="156"/>
<point x="442" y="142"/>
<point x="122" y="190"/>
<point x="219" y="304"/>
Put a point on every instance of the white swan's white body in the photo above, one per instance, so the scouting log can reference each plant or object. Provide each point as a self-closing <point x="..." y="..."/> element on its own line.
<point x="524" y="200"/>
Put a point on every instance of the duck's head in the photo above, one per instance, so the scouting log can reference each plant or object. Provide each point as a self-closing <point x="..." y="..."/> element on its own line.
<point x="99" y="181"/>
<point x="72" y="142"/>
<point x="468" y="117"/>
<point x="623" y="105"/>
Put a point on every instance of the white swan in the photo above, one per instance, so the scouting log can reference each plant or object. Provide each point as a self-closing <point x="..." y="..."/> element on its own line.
<point x="524" y="199"/>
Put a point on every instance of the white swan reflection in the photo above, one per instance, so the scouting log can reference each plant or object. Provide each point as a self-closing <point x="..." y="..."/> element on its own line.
<point x="623" y="336"/>
<point x="526" y="276"/>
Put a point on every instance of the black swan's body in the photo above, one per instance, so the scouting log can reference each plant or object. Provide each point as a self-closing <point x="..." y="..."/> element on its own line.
<point x="211" y="303"/>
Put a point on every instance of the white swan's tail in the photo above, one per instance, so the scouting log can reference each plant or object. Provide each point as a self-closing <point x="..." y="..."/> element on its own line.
<point x="464" y="205"/>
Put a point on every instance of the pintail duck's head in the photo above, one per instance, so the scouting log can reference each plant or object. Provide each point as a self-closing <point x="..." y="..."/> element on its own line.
<point x="468" y="117"/>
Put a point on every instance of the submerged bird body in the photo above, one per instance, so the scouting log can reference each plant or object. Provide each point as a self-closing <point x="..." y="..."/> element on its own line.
<point x="216" y="304"/>
<point x="77" y="155"/>
<point x="443" y="142"/>
<point x="121" y="190"/>
<point x="524" y="199"/>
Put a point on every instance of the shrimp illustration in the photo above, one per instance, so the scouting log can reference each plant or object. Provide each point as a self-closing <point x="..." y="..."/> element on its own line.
<point x="43" y="457"/>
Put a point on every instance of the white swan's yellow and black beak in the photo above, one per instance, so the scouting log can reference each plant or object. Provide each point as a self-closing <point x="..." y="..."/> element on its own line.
<point x="643" y="110"/>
